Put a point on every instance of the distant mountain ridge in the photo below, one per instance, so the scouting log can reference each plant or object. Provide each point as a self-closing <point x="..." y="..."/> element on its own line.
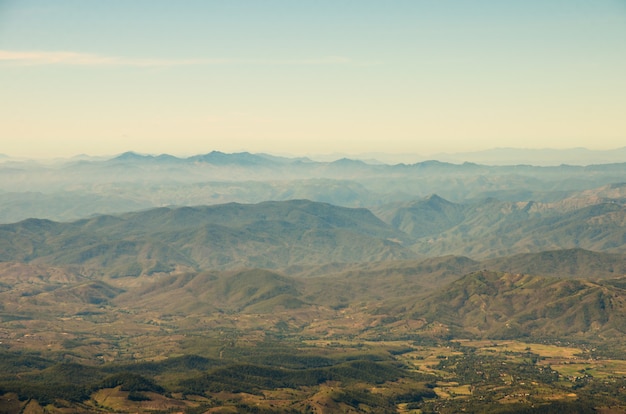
<point x="213" y="157"/>
<point x="544" y="156"/>
<point x="82" y="187"/>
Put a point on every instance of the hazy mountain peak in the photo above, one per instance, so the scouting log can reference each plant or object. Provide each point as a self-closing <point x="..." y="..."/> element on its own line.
<point x="348" y="161"/>
<point x="131" y="156"/>
<point x="436" y="199"/>
<point x="221" y="158"/>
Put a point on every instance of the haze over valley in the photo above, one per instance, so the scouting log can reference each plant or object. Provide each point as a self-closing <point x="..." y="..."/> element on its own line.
<point x="318" y="207"/>
<point x="220" y="281"/>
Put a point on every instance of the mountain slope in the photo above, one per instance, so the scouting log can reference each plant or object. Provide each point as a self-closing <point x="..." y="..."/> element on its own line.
<point x="571" y="263"/>
<point x="492" y="228"/>
<point x="269" y="234"/>
<point x="490" y="304"/>
<point x="251" y="290"/>
<point x="425" y="217"/>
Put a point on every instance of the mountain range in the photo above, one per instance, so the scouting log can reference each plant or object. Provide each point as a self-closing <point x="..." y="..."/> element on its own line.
<point x="269" y="234"/>
<point x="491" y="227"/>
<point x="79" y="188"/>
<point x="391" y="299"/>
<point x="394" y="301"/>
<point x="284" y="234"/>
<point x="300" y="258"/>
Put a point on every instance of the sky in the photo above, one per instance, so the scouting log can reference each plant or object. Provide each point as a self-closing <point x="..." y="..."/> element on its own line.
<point x="310" y="77"/>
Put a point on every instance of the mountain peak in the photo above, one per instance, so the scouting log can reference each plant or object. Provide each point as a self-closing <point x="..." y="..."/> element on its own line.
<point x="434" y="198"/>
<point x="129" y="156"/>
<point x="221" y="158"/>
<point x="348" y="161"/>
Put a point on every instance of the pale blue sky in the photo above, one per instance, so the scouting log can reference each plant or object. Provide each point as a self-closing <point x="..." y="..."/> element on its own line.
<point x="306" y="77"/>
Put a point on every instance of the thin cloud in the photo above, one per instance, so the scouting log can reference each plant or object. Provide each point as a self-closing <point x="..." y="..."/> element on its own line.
<point x="38" y="58"/>
<point x="42" y="58"/>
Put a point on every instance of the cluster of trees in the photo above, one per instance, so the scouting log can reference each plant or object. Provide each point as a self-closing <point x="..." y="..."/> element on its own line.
<point x="252" y="378"/>
<point x="472" y="368"/>
<point x="33" y="377"/>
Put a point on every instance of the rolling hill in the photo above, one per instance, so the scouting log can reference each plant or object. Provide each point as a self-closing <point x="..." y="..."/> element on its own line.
<point x="567" y="263"/>
<point x="498" y="305"/>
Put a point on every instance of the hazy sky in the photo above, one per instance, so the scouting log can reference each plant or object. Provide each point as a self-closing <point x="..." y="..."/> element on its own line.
<point x="305" y="77"/>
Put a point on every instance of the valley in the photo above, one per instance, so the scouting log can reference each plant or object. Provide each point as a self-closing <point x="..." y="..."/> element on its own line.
<point x="511" y="300"/>
<point x="312" y="207"/>
<point x="406" y="336"/>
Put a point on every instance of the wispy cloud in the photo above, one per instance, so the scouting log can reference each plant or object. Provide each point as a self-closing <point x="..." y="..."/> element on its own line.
<point x="40" y="58"/>
<point x="37" y="58"/>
